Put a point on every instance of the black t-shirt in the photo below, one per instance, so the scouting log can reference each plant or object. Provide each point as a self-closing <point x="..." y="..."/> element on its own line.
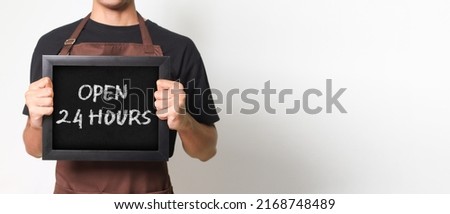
<point x="186" y="62"/>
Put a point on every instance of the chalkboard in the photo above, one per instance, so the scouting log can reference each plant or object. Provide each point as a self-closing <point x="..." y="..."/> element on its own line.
<point x="104" y="109"/>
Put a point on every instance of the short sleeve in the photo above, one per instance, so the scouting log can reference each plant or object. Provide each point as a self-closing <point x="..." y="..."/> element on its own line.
<point x="35" y="68"/>
<point x="199" y="101"/>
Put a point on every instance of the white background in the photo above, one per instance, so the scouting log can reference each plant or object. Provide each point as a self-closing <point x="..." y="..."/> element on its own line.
<point x="391" y="55"/>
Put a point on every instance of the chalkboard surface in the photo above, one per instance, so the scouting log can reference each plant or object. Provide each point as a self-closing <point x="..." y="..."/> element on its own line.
<point x="103" y="109"/>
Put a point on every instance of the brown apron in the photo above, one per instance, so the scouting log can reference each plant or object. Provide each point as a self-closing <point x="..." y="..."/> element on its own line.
<point x="112" y="177"/>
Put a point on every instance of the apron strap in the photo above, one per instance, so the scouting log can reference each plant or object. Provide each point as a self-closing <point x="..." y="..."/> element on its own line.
<point x="146" y="39"/>
<point x="68" y="44"/>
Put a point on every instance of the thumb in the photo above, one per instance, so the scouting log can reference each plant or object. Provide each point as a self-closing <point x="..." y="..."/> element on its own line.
<point x="47" y="82"/>
<point x="164" y="84"/>
<point x="44" y="82"/>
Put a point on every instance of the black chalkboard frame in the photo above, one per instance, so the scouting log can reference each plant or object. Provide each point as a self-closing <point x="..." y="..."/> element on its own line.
<point x="48" y="151"/>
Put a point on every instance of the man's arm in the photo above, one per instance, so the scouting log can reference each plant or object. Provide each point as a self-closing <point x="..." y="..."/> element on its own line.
<point x="32" y="137"/>
<point x="39" y="100"/>
<point x="199" y="140"/>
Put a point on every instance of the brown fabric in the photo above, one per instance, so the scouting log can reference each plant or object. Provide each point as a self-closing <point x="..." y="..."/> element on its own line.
<point x="145" y="49"/>
<point x="112" y="177"/>
<point x="113" y="49"/>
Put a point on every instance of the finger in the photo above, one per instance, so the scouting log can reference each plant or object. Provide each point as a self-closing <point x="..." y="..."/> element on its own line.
<point x="179" y="100"/>
<point x="48" y="82"/>
<point x="161" y="104"/>
<point x="31" y="100"/>
<point x="40" y="111"/>
<point x="180" y="110"/>
<point x="168" y="84"/>
<point x="161" y="95"/>
<point x="44" y="102"/>
<point x="163" y="84"/>
<point x="176" y="111"/>
<point x="169" y="105"/>
<point x="45" y="92"/>
<point x="41" y="83"/>
<point x="46" y="110"/>
<point x="176" y="94"/>
<point x="38" y="93"/>
<point x="162" y="114"/>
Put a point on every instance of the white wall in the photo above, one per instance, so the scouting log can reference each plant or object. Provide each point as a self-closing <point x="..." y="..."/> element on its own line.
<point x="392" y="56"/>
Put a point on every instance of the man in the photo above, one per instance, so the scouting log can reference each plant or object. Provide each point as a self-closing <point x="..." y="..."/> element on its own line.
<point x="113" y="23"/>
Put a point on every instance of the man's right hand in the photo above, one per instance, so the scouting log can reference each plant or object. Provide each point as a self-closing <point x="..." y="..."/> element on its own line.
<point x="39" y="100"/>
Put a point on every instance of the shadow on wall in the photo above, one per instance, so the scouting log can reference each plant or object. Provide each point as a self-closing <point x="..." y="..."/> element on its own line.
<point x="256" y="156"/>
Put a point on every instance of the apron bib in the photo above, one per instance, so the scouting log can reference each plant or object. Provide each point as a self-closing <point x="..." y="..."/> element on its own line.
<point x="111" y="177"/>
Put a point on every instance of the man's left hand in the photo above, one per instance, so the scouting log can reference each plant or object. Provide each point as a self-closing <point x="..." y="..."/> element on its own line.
<point x="170" y="104"/>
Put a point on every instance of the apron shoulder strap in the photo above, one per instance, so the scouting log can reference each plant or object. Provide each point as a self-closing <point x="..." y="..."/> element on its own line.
<point x="68" y="44"/>
<point x="145" y="34"/>
<point x="146" y="38"/>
